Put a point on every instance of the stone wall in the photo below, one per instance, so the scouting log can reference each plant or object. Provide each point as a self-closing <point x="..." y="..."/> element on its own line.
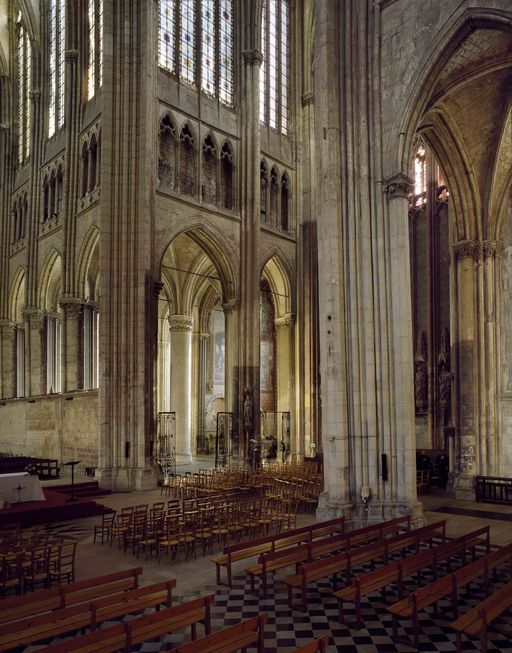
<point x="60" y="426"/>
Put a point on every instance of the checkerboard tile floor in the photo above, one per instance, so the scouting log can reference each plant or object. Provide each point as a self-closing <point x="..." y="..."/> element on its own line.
<point x="287" y="629"/>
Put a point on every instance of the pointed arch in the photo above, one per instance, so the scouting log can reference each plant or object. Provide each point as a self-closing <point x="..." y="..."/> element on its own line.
<point x="277" y="275"/>
<point x="167" y="151"/>
<point x="209" y="165"/>
<point x="50" y="281"/>
<point x="85" y="257"/>
<point x="188" y="162"/>
<point x="226" y="175"/>
<point x="17" y="300"/>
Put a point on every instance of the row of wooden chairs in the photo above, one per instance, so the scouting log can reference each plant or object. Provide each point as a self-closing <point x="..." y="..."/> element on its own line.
<point x="179" y="530"/>
<point x="29" y="565"/>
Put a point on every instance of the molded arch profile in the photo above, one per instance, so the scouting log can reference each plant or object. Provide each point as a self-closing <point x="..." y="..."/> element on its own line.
<point x="418" y="93"/>
<point x="17" y="300"/>
<point x="88" y="252"/>
<point x="277" y="275"/>
<point x="222" y="256"/>
<point x="210" y="144"/>
<point x="50" y="282"/>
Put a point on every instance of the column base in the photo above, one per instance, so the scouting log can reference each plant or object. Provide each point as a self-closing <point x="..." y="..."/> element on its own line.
<point x="331" y="507"/>
<point x="126" y="479"/>
<point x="183" y="458"/>
<point x="463" y="487"/>
<point x="357" y="515"/>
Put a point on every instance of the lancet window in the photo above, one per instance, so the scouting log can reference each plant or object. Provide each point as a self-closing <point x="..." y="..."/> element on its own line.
<point x="24" y="73"/>
<point x="195" y="42"/>
<point x="95" y="46"/>
<point x="274" y="73"/>
<point x="56" y="64"/>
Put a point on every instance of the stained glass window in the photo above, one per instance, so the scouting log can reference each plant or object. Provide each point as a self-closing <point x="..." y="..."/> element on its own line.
<point x="57" y="38"/>
<point x="24" y="66"/>
<point x="95" y="51"/>
<point x="226" y="52"/>
<point x="274" y="69"/>
<point x="181" y="24"/>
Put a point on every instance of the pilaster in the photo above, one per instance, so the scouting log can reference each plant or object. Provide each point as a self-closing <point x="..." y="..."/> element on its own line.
<point x="7" y="355"/>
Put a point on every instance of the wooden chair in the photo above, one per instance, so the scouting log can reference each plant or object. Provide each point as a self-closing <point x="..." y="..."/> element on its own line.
<point x="37" y="568"/>
<point x="62" y="568"/>
<point x="10" y="573"/>
<point x="105" y="528"/>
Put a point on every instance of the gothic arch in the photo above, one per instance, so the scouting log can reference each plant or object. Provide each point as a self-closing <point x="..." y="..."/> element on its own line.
<point x="87" y="251"/>
<point x="50" y="282"/>
<point x="16" y="302"/>
<point x="275" y="272"/>
<point x="500" y="189"/>
<point x="223" y="256"/>
<point x="419" y="90"/>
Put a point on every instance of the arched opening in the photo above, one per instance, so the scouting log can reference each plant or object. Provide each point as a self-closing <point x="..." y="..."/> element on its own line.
<point x="167" y="153"/>
<point x="50" y="295"/>
<point x="188" y="166"/>
<point x="226" y="176"/>
<point x="192" y="374"/>
<point x="209" y="171"/>
<point x="277" y="372"/>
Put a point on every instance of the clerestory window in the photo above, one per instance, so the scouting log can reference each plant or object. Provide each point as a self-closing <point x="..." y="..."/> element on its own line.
<point x="195" y="42"/>
<point x="274" y="74"/>
<point x="95" y="46"/>
<point x="56" y="64"/>
<point x="24" y="73"/>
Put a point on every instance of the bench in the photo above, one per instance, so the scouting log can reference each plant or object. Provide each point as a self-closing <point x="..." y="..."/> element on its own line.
<point x="59" y="597"/>
<point x="274" y="560"/>
<point x="134" y="632"/>
<point x="246" y="633"/>
<point x="474" y="622"/>
<point x="246" y="550"/>
<point x="83" y="615"/>
<point x="447" y="586"/>
<point x="316" y="646"/>
<point x="331" y="566"/>
<point x="379" y="579"/>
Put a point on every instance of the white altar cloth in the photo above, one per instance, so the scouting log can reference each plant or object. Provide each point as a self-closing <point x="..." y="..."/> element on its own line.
<point x="32" y="490"/>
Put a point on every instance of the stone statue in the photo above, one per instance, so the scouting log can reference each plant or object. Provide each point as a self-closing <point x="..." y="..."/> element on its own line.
<point x="248" y="413"/>
<point x="444" y="348"/>
<point x="445" y="393"/>
<point x="420" y="388"/>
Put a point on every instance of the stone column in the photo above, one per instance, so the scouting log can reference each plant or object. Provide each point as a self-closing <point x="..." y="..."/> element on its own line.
<point x="231" y="362"/>
<point x="249" y="331"/>
<point x="72" y="344"/>
<point x="35" y="343"/>
<point x="180" y="327"/>
<point x="475" y="449"/>
<point x="400" y="446"/>
<point x="200" y="365"/>
<point x="285" y="355"/>
<point x="7" y="357"/>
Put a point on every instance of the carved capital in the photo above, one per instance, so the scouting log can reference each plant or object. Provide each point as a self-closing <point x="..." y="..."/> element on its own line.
<point x="34" y="95"/>
<point x="71" y="55"/>
<point x="180" y="323"/>
<point x="231" y="306"/>
<point x="72" y="307"/>
<point x="253" y="57"/>
<point x="8" y="327"/>
<point x="285" y="321"/>
<point x="478" y="250"/>
<point x="398" y="185"/>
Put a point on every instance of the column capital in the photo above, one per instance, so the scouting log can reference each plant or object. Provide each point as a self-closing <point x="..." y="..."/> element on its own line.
<point x="72" y="306"/>
<point x="201" y="336"/>
<point x="34" y="95"/>
<point x="398" y="185"/>
<point x="158" y="286"/>
<point x="180" y="323"/>
<point x="231" y="306"/>
<point x="285" y="321"/>
<point x="7" y="325"/>
<point x="34" y="315"/>
<point x="478" y="250"/>
<point x="253" y="57"/>
<point x="71" y="55"/>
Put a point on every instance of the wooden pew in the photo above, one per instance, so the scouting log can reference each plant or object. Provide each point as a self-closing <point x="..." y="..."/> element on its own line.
<point x="474" y="623"/>
<point x="316" y="646"/>
<point x="34" y="603"/>
<point x="246" y="633"/>
<point x="256" y="547"/>
<point x="447" y="586"/>
<point x="357" y="556"/>
<point x="83" y="615"/>
<point x="134" y="632"/>
<point x="274" y="560"/>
